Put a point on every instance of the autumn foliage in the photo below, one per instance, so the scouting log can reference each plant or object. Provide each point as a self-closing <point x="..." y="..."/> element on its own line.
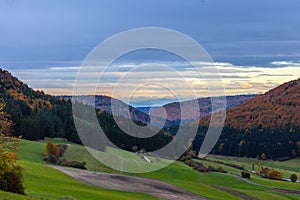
<point x="267" y="124"/>
<point x="52" y="153"/>
<point x="270" y="173"/>
<point x="10" y="172"/>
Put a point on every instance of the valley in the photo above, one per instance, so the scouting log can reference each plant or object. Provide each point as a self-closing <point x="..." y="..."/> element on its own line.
<point x="209" y="185"/>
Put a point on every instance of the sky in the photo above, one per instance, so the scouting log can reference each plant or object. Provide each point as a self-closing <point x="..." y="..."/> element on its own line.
<point x="255" y="44"/>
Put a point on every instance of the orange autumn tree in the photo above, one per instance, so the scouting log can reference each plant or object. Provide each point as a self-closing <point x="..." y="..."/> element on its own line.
<point x="10" y="172"/>
<point x="51" y="153"/>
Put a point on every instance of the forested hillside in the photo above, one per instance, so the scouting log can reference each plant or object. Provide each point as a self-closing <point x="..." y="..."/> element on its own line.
<point x="36" y="115"/>
<point x="268" y="123"/>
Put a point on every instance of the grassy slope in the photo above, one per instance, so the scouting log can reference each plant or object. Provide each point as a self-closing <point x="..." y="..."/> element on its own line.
<point x="286" y="168"/>
<point x="46" y="183"/>
<point x="10" y="196"/>
<point x="200" y="183"/>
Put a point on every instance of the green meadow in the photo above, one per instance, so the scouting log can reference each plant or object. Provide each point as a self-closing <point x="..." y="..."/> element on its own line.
<point x="211" y="185"/>
<point x="43" y="182"/>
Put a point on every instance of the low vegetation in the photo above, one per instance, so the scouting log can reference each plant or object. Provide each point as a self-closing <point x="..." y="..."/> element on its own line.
<point x="53" y="153"/>
<point x="293" y="177"/>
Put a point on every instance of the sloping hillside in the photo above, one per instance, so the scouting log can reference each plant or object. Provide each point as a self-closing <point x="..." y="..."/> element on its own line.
<point x="278" y="109"/>
<point x="35" y="114"/>
<point x="268" y="123"/>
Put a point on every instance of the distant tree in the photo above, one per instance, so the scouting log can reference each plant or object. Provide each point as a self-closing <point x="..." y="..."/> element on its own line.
<point x="298" y="148"/>
<point x="220" y="148"/>
<point x="263" y="156"/>
<point x="134" y="148"/>
<point x="142" y="151"/>
<point x="294" y="153"/>
<point x="241" y="146"/>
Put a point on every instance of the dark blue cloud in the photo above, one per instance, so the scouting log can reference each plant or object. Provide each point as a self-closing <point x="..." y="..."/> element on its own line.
<point x="240" y="32"/>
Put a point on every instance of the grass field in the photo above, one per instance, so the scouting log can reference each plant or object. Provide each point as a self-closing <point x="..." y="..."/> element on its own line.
<point x="286" y="168"/>
<point x="42" y="182"/>
<point x="211" y="185"/>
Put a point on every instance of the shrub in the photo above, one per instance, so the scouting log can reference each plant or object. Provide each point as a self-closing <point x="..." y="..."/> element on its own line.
<point x="134" y="148"/>
<point x="246" y="175"/>
<point x="74" y="164"/>
<point x="51" y="159"/>
<point x="200" y="167"/>
<point x="62" y="148"/>
<point x="221" y="170"/>
<point x="293" y="177"/>
<point x="273" y="174"/>
<point x="52" y="152"/>
<point x="14" y="183"/>
<point x="264" y="172"/>
<point x="212" y="169"/>
<point x="183" y="158"/>
<point x="190" y="163"/>
<point x="51" y="149"/>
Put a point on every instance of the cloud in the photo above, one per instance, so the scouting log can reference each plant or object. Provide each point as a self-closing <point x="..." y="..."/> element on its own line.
<point x="286" y="63"/>
<point x="65" y="68"/>
<point x="158" y="79"/>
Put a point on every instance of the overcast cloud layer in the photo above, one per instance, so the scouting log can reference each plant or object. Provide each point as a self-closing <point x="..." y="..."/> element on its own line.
<point x="256" y="44"/>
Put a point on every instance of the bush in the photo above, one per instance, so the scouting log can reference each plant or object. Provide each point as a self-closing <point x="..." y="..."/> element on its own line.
<point x="264" y="172"/>
<point x="200" y="167"/>
<point x="212" y="169"/>
<point x="62" y="148"/>
<point x="293" y="177"/>
<point x="74" y="164"/>
<point x="221" y="170"/>
<point x="134" y="148"/>
<point x="11" y="181"/>
<point x="51" y="149"/>
<point x="273" y="174"/>
<point x="183" y="158"/>
<point x="246" y="175"/>
<point x="53" y="152"/>
<point x="51" y="159"/>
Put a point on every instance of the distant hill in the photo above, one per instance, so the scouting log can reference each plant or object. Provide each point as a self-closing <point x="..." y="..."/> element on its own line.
<point x="173" y="110"/>
<point x="104" y="103"/>
<point x="268" y="123"/>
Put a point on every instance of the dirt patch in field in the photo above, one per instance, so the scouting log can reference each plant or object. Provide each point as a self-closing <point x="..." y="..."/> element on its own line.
<point x="153" y="187"/>
<point x="235" y="193"/>
<point x="294" y="192"/>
